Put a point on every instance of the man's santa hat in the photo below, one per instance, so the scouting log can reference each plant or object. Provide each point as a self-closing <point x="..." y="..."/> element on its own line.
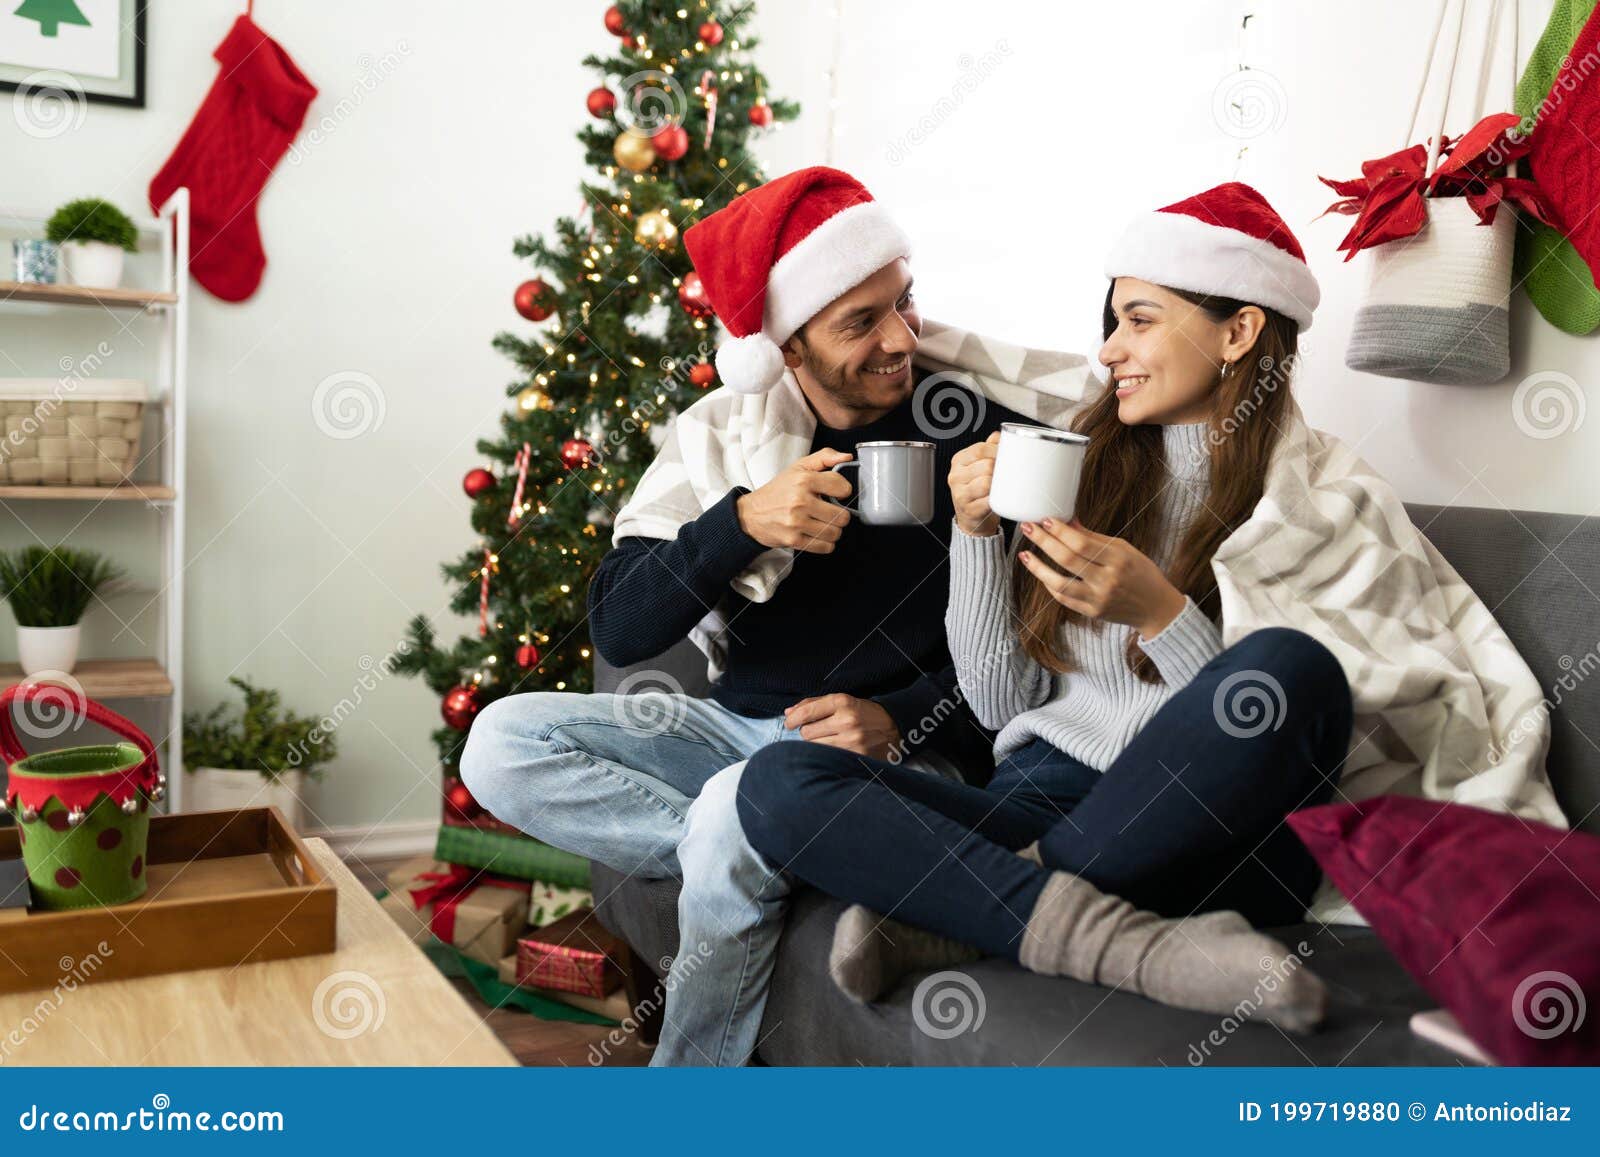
<point x="775" y="256"/>
<point x="1226" y="241"/>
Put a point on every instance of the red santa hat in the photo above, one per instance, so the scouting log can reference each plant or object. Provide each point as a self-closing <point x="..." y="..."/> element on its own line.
<point x="1227" y="241"/>
<point x="775" y="256"/>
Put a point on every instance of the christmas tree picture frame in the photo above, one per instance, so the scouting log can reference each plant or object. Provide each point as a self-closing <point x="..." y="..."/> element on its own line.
<point x="57" y="54"/>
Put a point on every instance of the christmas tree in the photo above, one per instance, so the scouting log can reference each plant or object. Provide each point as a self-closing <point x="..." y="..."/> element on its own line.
<point x="624" y="340"/>
<point x="51" y="14"/>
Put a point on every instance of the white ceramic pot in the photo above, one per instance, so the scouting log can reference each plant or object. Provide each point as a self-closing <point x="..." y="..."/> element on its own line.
<point x="92" y="263"/>
<point x="48" y="648"/>
<point x="209" y="789"/>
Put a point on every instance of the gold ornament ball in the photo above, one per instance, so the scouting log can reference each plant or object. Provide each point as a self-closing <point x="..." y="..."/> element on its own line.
<point x="634" y="151"/>
<point x="657" y="230"/>
<point x="533" y="398"/>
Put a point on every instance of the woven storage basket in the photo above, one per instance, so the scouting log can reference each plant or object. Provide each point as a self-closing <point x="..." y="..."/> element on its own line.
<point x="87" y="436"/>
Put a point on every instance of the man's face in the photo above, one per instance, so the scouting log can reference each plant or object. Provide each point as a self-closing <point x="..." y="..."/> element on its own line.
<point x="859" y="347"/>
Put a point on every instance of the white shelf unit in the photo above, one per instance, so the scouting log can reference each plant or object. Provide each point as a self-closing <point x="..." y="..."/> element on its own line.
<point x="160" y="676"/>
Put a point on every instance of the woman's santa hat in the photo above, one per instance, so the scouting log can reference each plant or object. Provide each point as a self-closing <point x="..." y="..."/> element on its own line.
<point x="1226" y="241"/>
<point x="775" y="256"/>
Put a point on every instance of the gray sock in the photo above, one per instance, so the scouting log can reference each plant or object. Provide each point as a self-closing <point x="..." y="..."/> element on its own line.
<point x="1214" y="962"/>
<point x="871" y="953"/>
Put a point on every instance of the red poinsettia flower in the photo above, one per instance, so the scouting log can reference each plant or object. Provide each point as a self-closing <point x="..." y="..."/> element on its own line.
<point x="1387" y="200"/>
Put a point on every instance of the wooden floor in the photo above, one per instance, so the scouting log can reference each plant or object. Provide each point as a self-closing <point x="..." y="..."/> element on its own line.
<point x="531" y="1040"/>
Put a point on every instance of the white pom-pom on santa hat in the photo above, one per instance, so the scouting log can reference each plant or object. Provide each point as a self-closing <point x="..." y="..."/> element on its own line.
<point x="750" y="365"/>
<point x="774" y="257"/>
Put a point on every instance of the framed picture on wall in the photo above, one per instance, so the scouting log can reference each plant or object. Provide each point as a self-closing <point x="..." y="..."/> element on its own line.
<point x="87" y="49"/>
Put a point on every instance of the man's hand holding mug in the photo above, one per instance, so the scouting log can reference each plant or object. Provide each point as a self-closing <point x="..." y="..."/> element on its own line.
<point x="793" y="509"/>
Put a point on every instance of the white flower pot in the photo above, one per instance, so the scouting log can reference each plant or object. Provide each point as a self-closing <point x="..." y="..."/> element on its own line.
<point x="92" y="263"/>
<point x="48" y="648"/>
<point x="226" y="789"/>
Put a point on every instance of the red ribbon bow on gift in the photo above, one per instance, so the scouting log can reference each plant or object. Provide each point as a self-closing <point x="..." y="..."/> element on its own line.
<point x="447" y="891"/>
<point x="1387" y="199"/>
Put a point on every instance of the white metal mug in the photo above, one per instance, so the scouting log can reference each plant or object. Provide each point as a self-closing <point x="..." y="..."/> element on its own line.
<point x="1036" y="472"/>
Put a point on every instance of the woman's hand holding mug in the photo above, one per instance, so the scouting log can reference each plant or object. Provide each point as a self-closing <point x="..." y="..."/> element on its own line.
<point x="971" y="474"/>
<point x="1105" y="577"/>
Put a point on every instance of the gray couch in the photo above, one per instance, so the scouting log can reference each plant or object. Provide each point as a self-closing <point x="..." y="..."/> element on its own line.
<point x="1535" y="571"/>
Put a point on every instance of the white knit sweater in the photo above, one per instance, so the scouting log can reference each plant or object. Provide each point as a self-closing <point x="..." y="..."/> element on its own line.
<point x="1095" y="710"/>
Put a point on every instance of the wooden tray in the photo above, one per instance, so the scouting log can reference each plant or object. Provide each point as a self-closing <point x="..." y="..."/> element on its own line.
<point x="226" y="888"/>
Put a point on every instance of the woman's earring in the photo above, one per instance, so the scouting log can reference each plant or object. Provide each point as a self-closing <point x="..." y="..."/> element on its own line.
<point x="1227" y="368"/>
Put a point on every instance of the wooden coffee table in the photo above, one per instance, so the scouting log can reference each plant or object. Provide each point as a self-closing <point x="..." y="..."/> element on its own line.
<point x="377" y="1000"/>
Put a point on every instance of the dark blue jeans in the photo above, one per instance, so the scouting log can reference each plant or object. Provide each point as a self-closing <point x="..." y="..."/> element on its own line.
<point x="1189" y="818"/>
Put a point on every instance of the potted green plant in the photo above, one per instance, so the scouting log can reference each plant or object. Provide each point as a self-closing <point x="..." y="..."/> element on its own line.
<point x="49" y="589"/>
<point x="92" y="235"/>
<point x="257" y="757"/>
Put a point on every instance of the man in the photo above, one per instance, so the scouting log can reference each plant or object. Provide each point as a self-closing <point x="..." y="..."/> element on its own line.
<point x="830" y="630"/>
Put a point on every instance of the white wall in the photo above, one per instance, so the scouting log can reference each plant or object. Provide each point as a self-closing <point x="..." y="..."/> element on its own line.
<point x="390" y="243"/>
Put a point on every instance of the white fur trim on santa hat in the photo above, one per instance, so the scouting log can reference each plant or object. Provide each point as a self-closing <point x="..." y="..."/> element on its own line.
<point x="832" y="259"/>
<point x="750" y="365"/>
<point x="1183" y="252"/>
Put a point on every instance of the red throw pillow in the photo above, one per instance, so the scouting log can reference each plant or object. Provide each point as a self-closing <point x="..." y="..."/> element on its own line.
<point x="1496" y="917"/>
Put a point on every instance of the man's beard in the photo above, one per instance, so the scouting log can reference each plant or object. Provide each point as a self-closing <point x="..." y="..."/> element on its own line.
<point x="838" y="384"/>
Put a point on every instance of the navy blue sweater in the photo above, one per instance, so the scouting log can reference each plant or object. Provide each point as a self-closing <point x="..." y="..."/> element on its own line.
<point x="866" y="620"/>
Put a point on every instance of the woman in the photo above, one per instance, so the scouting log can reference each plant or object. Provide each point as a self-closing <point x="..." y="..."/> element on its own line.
<point x="1147" y="804"/>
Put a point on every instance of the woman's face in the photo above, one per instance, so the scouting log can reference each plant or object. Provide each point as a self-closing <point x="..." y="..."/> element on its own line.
<point x="1165" y="355"/>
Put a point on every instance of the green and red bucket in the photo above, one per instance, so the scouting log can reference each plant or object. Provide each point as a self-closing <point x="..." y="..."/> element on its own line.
<point x="83" y="813"/>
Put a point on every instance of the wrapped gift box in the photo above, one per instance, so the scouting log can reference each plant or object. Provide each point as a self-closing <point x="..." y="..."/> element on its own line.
<point x="510" y="854"/>
<point x="550" y="902"/>
<point x="614" y="1007"/>
<point x="477" y="914"/>
<point x="575" y="954"/>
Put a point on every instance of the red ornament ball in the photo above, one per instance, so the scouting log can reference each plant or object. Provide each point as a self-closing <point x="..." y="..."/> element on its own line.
<point x="629" y="42"/>
<point x="460" y="706"/>
<point x="711" y="32"/>
<point x="602" y="103"/>
<point x="692" y="296"/>
<point x="671" y="143"/>
<point x="532" y="299"/>
<point x="702" y="374"/>
<point x="477" y="481"/>
<point x="614" y="23"/>
<point x="461" y="802"/>
<point x="527" y="656"/>
<point x="575" y="452"/>
<point x="761" y="115"/>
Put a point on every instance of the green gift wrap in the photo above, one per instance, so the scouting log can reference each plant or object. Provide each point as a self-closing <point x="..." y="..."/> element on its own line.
<point x="83" y="813"/>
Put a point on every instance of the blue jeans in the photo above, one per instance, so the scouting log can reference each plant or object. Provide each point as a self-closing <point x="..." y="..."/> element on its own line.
<point x="646" y="784"/>
<point x="1189" y="817"/>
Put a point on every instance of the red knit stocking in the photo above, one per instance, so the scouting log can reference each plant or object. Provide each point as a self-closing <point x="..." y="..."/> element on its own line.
<point x="241" y="131"/>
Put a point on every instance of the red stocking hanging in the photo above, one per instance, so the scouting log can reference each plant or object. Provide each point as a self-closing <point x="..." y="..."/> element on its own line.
<point x="241" y="131"/>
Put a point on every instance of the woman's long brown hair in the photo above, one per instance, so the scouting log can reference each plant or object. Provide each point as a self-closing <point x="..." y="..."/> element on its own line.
<point x="1125" y="470"/>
